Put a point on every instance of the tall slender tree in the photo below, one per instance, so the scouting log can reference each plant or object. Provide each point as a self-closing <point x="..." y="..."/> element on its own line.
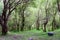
<point x="38" y="20"/>
<point x="46" y="20"/>
<point x="25" y="4"/>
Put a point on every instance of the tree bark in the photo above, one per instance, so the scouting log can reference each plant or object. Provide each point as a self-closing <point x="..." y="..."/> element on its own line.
<point x="4" y="28"/>
<point x="4" y="22"/>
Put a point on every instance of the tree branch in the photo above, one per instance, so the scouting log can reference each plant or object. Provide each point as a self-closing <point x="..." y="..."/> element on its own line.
<point x="11" y="9"/>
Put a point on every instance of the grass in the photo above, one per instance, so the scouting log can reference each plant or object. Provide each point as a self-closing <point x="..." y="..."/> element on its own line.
<point x="34" y="34"/>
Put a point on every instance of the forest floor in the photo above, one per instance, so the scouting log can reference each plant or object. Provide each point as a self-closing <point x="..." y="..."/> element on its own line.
<point x="33" y="34"/>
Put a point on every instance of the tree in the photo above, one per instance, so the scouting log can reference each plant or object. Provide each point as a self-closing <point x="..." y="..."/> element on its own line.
<point x="38" y="21"/>
<point x="54" y="23"/>
<point x="22" y="10"/>
<point x="7" y="10"/>
<point x="54" y="9"/>
<point x="46" y="18"/>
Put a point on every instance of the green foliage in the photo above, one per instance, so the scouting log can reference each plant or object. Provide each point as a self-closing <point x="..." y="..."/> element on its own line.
<point x="1" y="7"/>
<point x="31" y="10"/>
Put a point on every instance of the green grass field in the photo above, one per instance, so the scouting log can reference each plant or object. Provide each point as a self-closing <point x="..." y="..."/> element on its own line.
<point x="33" y="34"/>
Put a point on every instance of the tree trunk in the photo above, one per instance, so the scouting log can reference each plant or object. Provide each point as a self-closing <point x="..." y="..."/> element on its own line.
<point x="29" y="27"/>
<point x="44" y="28"/>
<point x="23" y="20"/>
<point x="37" y="21"/>
<point x="58" y="4"/>
<point x="4" y="23"/>
<point x="4" y="28"/>
<point x="45" y="23"/>
<point x="18" y="27"/>
<point x="53" y="24"/>
<point x="22" y="26"/>
<point x="37" y="24"/>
